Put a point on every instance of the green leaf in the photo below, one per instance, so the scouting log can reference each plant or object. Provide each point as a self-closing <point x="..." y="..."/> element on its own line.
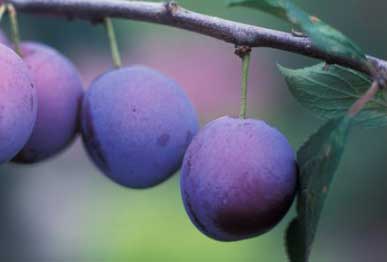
<point x="331" y="40"/>
<point x="275" y="7"/>
<point x="323" y="36"/>
<point x="318" y="161"/>
<point x="330" y="91"/>
<point x="294" y="242"/>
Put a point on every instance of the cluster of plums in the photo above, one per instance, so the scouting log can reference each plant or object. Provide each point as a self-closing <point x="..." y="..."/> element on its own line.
<point x="238" y="176"/>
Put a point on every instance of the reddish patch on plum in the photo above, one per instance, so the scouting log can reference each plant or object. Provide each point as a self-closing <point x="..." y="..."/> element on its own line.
<point x="163" y="140"/>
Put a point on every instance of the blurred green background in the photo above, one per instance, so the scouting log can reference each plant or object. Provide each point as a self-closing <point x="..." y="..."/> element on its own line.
<point x="65" y="210"/>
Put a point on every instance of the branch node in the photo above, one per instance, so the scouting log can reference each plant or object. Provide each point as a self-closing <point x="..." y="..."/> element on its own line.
<point x="381" y="79"/>
<point x="171" y="7"/>
<point x="379" y="74"/>
<point x="242" y="51"/>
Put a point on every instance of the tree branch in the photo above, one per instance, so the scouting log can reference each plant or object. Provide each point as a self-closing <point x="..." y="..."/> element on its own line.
<point x="173" y="15"/>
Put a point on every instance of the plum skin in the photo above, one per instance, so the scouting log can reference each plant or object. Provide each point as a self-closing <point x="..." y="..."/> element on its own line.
<point x="18" y="104"/>
<point x="238" y="178"/>
<point x="136" y="125"/>
<point x="60" y="93"/>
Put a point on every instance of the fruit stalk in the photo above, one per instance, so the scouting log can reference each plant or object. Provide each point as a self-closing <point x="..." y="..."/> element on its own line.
<point x="14" y="28"/>
<point x="116" y="57"/>
<point x="244" y="54"/>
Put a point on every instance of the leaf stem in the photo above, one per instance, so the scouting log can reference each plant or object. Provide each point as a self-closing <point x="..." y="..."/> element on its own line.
<point x="362" y="101"/>
<point x="14" y="28"/>
<point x="244" y="53"/>
<point x="116" y="57"/>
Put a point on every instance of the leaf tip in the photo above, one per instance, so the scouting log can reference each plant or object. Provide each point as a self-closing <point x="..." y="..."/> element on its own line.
<point x="231" y="3"/>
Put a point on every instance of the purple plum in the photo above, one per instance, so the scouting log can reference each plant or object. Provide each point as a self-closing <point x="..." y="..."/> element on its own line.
<point x="136" y="125"/>
<point x="18" y="104"/>
<point x="238" y="178"/>
<point x="60" y="93"/>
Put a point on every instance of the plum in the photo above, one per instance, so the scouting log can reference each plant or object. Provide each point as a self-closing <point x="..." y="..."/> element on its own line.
<point x="238" y="178"/>
<point x="60" y="93"/>
<point x="18" y="104"/>
<point x="136" y="125"/>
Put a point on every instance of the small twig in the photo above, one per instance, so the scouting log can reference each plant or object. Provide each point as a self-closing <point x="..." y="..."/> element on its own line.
<point x="362" y="101"/>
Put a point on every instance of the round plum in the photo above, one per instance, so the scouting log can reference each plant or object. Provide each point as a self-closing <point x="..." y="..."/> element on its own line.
<point x="136" y="125"/>
<point x="60" y="93"/>
<point x="18" y="104"/>
<point x="238" y="178"/>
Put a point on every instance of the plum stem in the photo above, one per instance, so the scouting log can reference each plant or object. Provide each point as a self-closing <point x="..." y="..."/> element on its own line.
<point x="14" y="28"/>
<point x="116" y="57"/>
<point x="244" y="53"/>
